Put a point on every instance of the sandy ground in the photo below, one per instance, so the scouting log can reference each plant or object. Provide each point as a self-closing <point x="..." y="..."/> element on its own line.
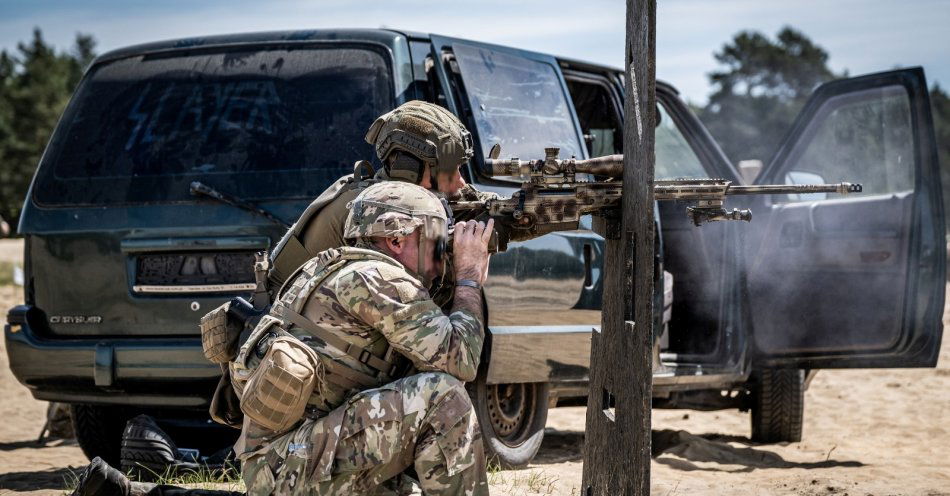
<point x="867" y="432"/>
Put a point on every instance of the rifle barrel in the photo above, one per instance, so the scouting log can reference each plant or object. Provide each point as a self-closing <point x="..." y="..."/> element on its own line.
<point x="780" y="189"/>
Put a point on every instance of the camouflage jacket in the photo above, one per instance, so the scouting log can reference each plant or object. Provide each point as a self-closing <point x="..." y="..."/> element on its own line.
<point x="370" y="300"/>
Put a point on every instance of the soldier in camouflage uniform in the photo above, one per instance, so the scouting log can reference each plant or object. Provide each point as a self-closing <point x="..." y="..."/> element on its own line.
<point x="355" y="377"/>
<point x="418" y="142"/>
<point x="335" y="347"/>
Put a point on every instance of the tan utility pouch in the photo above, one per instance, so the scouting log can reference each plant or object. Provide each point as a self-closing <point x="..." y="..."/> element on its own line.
<point x="219" y="340"/>
<point x="276" y="393"/>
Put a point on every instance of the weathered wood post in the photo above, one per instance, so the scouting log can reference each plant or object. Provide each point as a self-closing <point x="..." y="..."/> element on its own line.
<point x="617" y="441"/>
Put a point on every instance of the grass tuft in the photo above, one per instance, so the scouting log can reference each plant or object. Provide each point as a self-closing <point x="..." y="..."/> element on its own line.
<point x="520" y="483"/>
<point x="226" y="479"/>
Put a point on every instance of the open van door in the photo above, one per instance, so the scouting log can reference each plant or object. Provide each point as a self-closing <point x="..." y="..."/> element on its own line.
<point x="856" y="281"/>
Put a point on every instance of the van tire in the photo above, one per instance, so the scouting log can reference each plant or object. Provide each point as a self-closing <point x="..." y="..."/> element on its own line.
<point x="512" y="418"/>
<point x="99" y="430"/>
<point x="778" y="405"/>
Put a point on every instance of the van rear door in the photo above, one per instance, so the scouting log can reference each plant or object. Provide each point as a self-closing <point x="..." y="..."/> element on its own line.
<point x="857" y="281"/>
<point x="118" y="246"/>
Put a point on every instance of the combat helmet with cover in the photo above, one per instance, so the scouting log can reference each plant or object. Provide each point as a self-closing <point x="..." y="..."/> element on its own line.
<point x="428" y="133"/>
<point x="406" y="139"/>
<point x="396" y="209"/>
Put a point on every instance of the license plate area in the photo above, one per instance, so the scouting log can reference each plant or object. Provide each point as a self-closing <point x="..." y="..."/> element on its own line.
<point x="194" y="272"/>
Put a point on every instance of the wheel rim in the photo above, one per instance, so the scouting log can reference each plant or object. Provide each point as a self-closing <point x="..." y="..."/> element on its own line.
<point x="510" y="409"/>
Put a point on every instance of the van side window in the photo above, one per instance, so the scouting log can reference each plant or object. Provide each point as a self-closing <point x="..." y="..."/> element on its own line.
<point x="597" y="113"/>
<point x="864" y="137"/>
<point x="675" y="158"/>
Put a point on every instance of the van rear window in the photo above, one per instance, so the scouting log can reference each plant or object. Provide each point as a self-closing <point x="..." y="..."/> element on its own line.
<point x="260" y="123"/>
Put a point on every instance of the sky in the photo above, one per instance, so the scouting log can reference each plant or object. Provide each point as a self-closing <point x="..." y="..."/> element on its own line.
<point x="862" y="36"/>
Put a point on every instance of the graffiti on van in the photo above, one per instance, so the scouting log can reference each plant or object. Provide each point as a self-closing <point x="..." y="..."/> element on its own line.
<point x="162" y="114"/>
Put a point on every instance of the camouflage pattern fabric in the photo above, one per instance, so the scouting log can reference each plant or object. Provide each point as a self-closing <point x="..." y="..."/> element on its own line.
<point x="370" y="300"/>
<point x="319" y="228"/>
<point x="426" y="131"/>
<point x="395" y="209"/>
<point x="425" y="422"/>
<point x="469" y="193"/>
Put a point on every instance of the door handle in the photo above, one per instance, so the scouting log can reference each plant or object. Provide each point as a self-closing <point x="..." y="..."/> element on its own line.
<point x="588" y="265"/>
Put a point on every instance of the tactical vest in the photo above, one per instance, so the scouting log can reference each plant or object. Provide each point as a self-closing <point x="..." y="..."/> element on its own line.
<point x="336" y="378"/>
<point x="290" y="252"/>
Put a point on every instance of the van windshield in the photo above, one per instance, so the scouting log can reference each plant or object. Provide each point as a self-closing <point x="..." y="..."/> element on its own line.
<point x="261" y="123"/>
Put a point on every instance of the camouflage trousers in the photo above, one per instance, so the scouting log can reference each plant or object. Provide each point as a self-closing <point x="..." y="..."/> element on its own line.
<point x="424" y="422"/>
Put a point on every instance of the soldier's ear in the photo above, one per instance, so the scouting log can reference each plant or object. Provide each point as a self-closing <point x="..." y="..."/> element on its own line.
<point x="395" y="245"/>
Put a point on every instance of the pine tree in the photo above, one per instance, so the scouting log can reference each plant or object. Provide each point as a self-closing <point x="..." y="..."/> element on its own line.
<point x="764" y="85"/>
<point x="35" y="85"/>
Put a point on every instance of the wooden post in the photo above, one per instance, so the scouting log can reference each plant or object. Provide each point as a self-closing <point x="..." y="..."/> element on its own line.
<point x="617" y="440"/>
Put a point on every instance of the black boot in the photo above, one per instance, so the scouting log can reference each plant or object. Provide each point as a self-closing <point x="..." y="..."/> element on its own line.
<point x="99" y="479"/>
<point x="148" y="452"/>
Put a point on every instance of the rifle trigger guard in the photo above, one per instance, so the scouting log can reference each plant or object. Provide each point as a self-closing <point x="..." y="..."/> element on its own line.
<point x="520" y="210"/>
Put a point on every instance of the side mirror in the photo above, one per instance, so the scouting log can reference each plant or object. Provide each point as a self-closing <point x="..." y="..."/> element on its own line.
<point x="803" y="177"/>
<point x="749" y="170"/>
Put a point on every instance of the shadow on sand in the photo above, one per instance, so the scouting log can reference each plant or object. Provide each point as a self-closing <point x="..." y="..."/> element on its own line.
<point x="54" y="478"/>
<point x="681" y="450"/>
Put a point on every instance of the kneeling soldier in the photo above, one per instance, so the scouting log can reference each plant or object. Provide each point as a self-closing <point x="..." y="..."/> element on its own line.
<point x="355" y="377"/>
<point x="329" y="403"/>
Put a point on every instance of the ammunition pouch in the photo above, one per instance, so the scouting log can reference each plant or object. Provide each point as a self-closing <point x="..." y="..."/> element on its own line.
<point x="222" y="327"/>
<point x="276" y="393"/>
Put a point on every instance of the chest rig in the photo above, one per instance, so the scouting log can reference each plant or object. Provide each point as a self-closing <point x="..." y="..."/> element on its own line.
<point x="284" y="320"/>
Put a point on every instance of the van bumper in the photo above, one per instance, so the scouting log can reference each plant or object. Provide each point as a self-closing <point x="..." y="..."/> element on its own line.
<point x="160" y="372"/>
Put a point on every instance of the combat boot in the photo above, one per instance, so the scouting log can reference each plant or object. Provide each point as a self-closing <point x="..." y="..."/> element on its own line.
<point x="99" y="479"/>
<point x="148" y="452"/>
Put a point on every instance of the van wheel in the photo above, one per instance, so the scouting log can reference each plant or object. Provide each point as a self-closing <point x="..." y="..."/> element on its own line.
<point x="99" y="430"/>
<point x="512" y="418"/>
<point x="778" y="405"/>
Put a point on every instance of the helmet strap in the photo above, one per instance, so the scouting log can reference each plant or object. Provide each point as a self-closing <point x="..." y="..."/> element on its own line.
<point x="406" y="167"/>
<point x="421" y="268"/>
<point x="434" y="176"/>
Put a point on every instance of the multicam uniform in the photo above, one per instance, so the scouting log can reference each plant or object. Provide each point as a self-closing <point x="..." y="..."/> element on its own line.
<point x="429" y="133"/>
<point x="364" y="423"/>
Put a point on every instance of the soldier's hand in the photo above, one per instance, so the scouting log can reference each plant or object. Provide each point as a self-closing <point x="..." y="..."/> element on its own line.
<point x="470" y="249"/>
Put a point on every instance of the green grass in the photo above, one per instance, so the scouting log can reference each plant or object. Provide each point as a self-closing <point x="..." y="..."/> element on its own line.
<point x="202" y="478"/>
<point x="228" y="479"/>
<point x="520" y="482"/>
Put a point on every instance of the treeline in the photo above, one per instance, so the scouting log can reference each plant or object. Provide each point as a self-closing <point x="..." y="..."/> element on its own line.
<point x="762" y="85"/>
<point x="35" y="84"/>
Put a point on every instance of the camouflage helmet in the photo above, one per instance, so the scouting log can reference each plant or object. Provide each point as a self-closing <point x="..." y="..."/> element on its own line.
<point x="395" y="209"/>
<point x="424" y="130"/>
